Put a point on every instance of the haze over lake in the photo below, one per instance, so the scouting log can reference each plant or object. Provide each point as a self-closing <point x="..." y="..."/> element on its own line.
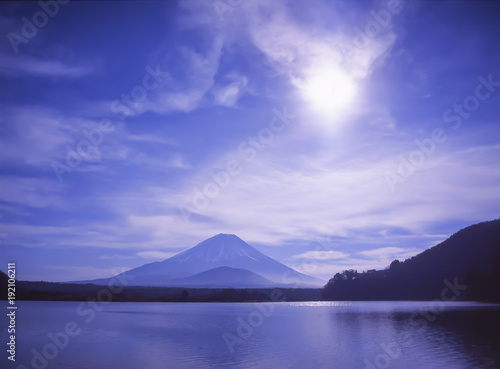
<point x="284" y="335"/>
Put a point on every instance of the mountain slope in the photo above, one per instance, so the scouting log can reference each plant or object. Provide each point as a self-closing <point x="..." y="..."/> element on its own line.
<point x="222" y="250"/>
<point x="223" y="277"/>
<point x="467" y="257"/>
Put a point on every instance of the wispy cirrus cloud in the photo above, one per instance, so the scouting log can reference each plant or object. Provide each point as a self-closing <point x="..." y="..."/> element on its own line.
<point x="198" y="77"/>
<point x="321" y="255"/>
<point x="151" y="255"/>
<point x="157" y="255"/>
<point x="82" y="272"/>
<point x="389" y="253"/>
<point x="36" y="136"/>
<point x="22" y="66"/>
<point x="32" y="192"/>
<point x="229" y="90"/>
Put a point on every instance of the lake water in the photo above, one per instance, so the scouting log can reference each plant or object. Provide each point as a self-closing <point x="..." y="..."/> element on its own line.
<point x="261" y="335"/>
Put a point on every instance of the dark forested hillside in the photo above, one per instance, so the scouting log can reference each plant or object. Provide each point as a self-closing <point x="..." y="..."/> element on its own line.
<point x="470" y="257"/>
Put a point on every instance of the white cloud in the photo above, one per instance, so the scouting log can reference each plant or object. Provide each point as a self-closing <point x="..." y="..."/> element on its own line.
<point x="383" y="119"/>
<point x="151" y="138"/>
<point x="33" y="135"/>
<point x="387" y="253"/>
<point x="160" y="255"/>
<point x="32" y="192"/>
<point x="274" y="204"/>
<point x="39" y="137"/>
<point x="288" y="199"/>
<point x="171" y="161"/>
<point x="75" y="273"/>
<point x="321" y="255"/>
<point x="229" y="91"/>
<point x="117" y="257"/>
<point x="21" y="66"/>
<point x="188" y="91"/>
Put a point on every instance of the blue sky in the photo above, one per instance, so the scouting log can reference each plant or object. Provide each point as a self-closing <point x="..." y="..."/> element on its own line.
<point x="329" y="135"/>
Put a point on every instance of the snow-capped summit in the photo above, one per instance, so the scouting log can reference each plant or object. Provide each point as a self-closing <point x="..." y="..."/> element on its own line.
<point x="222" y="250"/>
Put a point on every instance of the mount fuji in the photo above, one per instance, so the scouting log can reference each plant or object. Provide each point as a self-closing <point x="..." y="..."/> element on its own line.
<point x="224" y="260"/>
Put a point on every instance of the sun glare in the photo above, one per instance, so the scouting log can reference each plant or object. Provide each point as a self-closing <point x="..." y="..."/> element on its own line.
<point x="328" y="90"/>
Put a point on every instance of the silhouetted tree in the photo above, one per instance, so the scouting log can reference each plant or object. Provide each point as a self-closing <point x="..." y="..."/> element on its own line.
<point x="395" y="265"/>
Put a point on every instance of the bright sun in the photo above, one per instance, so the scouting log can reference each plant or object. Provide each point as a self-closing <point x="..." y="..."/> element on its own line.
<point x="328" y="90"/>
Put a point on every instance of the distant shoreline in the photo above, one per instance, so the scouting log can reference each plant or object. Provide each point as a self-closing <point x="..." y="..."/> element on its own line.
<point x="53" y="291"/>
